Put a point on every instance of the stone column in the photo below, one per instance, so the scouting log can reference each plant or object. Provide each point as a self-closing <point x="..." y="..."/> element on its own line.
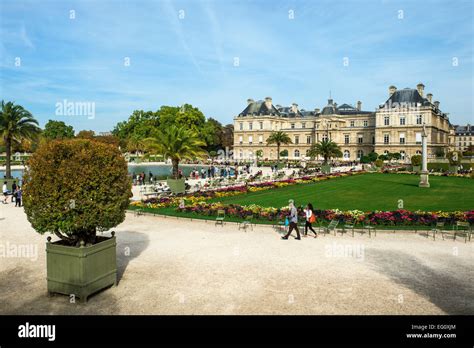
<point x="424" y="181"/>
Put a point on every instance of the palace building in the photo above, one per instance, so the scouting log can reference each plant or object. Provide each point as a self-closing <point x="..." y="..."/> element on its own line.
<point x="395" y="126"/>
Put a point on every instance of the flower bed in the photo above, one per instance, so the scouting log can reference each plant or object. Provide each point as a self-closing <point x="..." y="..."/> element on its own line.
<point x="385" y="218"/>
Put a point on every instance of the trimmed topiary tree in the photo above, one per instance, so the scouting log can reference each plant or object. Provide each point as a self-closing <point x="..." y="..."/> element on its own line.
<point x="76" y="188"/>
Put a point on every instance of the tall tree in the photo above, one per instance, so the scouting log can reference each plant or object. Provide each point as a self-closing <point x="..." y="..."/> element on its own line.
<point x="325" y="148"/>
<point x="16" y="124"/>
<point x="86" y="134"/>
<point x="57" y="130"/>
<point x="278" y="138"/>
<point x="177" y="143"/>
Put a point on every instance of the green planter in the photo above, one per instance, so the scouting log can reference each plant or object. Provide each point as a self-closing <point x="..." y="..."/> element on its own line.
<point x="416" y="169"/>
<point x="81" y="271"/>
<point x="176" y="185"/>
<point x="326" y="169"/>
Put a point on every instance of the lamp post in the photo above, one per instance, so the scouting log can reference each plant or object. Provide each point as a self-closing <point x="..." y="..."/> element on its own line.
<point x="424" y="180"/>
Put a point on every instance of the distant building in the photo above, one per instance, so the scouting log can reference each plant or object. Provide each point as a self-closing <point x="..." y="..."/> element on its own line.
<point x="395" y="126"/>
<point x="463" y="137"/>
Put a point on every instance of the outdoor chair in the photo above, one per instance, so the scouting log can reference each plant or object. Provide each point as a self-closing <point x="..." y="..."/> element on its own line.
<point x="331" y="227"/>
<point x="248" y="222"/>
<point x="349" y="224"/>
<point x="220" y="217"/>
<point x="438" y="229"/>
<point x="463" y="229"/>
<point x="367" y="229"/>
<point x="281" y="225"/>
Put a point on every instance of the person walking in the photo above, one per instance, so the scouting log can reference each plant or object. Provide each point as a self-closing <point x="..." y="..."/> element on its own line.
<point x="5" y="192"/>
<point x="14" y="187"/>
<point x="18" y="197"/>
<point x="293" y="217"/>
<point x="310" y="218"/>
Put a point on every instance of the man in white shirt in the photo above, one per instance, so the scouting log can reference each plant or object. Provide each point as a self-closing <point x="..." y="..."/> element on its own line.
<point x="293" y="221"/>
<point x="5" y="192"/>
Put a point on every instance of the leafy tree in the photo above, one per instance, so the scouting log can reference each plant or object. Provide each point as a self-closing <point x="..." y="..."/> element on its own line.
<point x="181" y="116"/>
<point x="278" y="138"/>
<point x="454" y="158"/>
<point x="416" y="160"/>
<point x="75" y="188"/>
<point x="142" y="123"/>
<point x="373" y="156"/>
<point x="325" y="148"/>
<point x="383" y="157"/>
<point x="212" y="134"/>
<point x="108" y="139"/>
<point x="284" y="153"/>
<point x="228" y="136"/>
<point x="177" y="143"/>
<point x="259" y="154"/>
<point x="86" y="134"/>
<point x="365" y="159"/>
<point x="16" y="124"/>
<point x="57" y="130"/>
<point x="396" y="156"/>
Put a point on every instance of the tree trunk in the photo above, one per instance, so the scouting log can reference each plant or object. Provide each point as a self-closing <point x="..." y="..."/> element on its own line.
<point x="175" y="164"/>
<point x="278" y="153"/>
<point x="8" y="145"/>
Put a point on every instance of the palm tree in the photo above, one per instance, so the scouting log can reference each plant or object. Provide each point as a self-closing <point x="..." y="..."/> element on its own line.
<point x="278" y="138"/>
<point x="177" y="143"/>
<point x="326" y="148"/>
<point x="16" y="124"/>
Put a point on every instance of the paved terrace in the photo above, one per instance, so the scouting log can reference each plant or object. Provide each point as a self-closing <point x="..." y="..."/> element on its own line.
<point x="179" y="266"/>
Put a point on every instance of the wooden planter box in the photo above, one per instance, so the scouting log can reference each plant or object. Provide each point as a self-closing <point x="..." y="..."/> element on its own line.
<point x="177" y="185"/>
<point x="81" y="271"/>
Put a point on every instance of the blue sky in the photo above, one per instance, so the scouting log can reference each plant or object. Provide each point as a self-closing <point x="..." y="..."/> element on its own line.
<point x="177" y="60"/>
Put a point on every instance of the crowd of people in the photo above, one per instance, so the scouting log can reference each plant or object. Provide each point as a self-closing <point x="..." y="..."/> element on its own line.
<point x="16" y="193"/>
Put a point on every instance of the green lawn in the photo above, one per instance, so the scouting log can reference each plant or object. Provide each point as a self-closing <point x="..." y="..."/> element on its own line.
<point x="369" y="192"/>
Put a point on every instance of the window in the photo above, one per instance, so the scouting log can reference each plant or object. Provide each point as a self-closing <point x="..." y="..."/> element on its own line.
<point x="386" y="138"/>
<point x="250" y="125"/>
<point x="241" y="126"/>
<point x="260" y="139"/>
<point x="240" y="139"/>
<point x="360" y="153"/>
<point x="297" y="153"/>
<point x="386" y="121"/>
<point x="261" y="125"/>
<point x="303" y="125"/>
<point x="366" y="123"/>
<point x="402" y="120"/>
<point x="308" y="139"/>
<point x="241" y="154"/>
<point x="297" y="139"/>
<point x="346" y="138"/>
<point x="402" y="138"/>
<point x="373" y="139"/>
<point x="418" y="152"/>
<point x="352" y="123"/>
<point x="418" y="137"/>
<point x="292" y="126"/>
<point x="360" y="138"/>
<point x="402" y="153"/>
<point x="325" y="137"/>
<point x="419" y="119"/>
<point x="347" y="154"/>
<point x="250" y="139"/>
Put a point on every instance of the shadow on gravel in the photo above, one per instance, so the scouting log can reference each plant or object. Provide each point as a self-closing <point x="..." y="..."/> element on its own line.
<point x="129" y="246"/>
<point x="451" y="294"/>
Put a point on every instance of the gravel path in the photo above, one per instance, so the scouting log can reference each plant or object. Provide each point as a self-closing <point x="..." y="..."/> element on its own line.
<point x="178" y="266"/>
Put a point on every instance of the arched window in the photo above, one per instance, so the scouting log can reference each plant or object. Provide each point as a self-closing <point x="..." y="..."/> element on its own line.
<point x="418" y="152"/>
<point x="402" y="154"/>
<point x="360" y="153"/>
<point x="297" y="153"/>
<point x="347" y="154"/>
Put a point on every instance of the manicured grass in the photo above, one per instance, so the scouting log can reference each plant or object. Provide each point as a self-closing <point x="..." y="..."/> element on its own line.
<point x="369" y="192"/>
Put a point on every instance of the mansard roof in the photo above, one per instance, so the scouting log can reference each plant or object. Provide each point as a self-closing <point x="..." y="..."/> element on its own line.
<point x="259" y="108"/>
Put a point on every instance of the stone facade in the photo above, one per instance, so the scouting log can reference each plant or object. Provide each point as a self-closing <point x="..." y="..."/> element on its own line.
<point x="395" y="126"/>
<point x="462" y="137"/>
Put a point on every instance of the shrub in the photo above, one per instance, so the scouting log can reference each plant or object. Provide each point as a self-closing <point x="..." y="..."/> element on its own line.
<point x="74" y="188"/>
<point x="454" y="158"/>
<point x="379" y="163"/>
<point x="365" y="159"/>
<point x="416" y="160"/>
<point x="373" y="156"/>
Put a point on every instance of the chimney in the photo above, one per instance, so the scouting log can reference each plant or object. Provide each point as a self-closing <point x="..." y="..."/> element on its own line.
<point x="317" y="110"/>
<point x="436" y="103"/>
<point x="420" y="87"/>
<point x="359" y="105"/>
<point x="392" y="89"/>
<point x="294" y="108"/>
<point x="429" y="96"/>
<point x="268" y="103"/>
<point x="250" y="101"/>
